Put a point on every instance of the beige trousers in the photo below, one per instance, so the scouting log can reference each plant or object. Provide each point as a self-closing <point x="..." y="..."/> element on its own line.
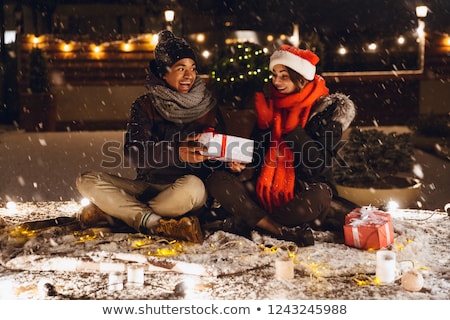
<point x="116" y="196"/>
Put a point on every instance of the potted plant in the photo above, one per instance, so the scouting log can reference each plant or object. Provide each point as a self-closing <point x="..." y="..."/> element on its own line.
<point x="432" y="134"/>
<point x="376" y="166"/>
<point x="38" y="112"/>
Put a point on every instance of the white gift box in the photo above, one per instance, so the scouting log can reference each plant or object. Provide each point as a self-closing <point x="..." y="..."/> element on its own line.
<point x="227" y="148"/>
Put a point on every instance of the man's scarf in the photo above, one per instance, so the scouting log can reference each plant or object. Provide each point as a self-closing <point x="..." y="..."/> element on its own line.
<point x="182" y="107"/>
<point x="283" y="113"/>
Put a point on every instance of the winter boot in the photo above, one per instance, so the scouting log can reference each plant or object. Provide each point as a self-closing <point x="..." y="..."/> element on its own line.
<point x="187" y="228"/>
<point x="230" y="224"/>
<point x="92" y="216"/>
<point x="301" y="235"/>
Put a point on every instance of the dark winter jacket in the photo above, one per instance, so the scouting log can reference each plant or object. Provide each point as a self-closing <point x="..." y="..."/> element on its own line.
<point x="315" y="146"/>
<point x="152" y="143"/>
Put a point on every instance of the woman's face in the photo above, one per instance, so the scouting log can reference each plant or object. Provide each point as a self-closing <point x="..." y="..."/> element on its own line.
<point x="181" y="75"/>
<point x="281" y="80"/>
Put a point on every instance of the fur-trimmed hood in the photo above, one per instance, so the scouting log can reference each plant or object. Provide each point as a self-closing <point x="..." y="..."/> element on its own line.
<point x="344" y="109"/>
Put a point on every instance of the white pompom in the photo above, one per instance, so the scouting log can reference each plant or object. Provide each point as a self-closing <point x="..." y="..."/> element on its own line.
<point x="412" y="280"/>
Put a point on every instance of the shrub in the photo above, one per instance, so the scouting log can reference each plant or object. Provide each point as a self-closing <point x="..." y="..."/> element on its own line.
<point x="372" y="157"/>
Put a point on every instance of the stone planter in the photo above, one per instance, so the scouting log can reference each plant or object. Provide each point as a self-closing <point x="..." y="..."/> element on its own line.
<point x="406" y="195"/>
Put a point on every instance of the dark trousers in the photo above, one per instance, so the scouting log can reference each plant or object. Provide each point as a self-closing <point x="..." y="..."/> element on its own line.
<point x="239" y="199"/>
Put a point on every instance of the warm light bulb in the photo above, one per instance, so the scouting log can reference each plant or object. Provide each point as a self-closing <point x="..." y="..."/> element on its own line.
<point x="342" y="51"/>
<point x="200" y="37"/>
<point x="372" y="46"/>
<point x="154" y="39"/>
<point x="392" y="205"/>
<point x="67" y="47"/>
<point x="84" y="202"/>
<point x="126" y="47"/>
<point x="11" y="205"/>
<point x="447" y="41"/>
<point x="401" y="40"/>
<point x="206" y="54"/>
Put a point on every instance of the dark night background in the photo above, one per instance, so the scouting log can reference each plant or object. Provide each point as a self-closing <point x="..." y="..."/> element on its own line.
<point x="335" y="23"/>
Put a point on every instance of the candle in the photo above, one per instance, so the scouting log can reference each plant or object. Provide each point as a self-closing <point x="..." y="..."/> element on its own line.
<point x="135" y="275"/>
<point x="115" y="281"/>
<point x="385" y="270"/>
<point x="284" y="269"/>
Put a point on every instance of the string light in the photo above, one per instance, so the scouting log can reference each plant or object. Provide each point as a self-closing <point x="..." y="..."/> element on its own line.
<point x="96" y="48"/>
<point x="126" y="47"/>
<point x="11" y="206"/>
<point x="84" y="202"/>
<point x="372" y="46"/>
<point x="392" y="205"/>
<point x="342" y="51"/>
<point x="19" y="231"/>
<point x="67" y="47"/>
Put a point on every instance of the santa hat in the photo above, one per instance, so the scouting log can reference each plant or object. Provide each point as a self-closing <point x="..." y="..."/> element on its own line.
<point x="302" y="61"/>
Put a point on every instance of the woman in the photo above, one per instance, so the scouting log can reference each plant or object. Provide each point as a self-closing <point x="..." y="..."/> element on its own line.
<point x="170" y="170"/>
<point x="299" y="126"/>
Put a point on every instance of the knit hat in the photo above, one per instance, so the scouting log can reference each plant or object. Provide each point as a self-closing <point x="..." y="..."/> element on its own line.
<point x="302" y="61"/>
<point x="169" y="50"/>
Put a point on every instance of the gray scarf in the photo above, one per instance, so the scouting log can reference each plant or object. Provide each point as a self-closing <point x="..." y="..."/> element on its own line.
<point x="182" y="107"/>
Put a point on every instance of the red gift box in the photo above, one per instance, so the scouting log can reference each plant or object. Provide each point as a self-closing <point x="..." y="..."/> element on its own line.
<point x="368" y="228"/>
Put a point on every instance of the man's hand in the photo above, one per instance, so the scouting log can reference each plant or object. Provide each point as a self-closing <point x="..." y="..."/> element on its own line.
<point x="190" y="149"/>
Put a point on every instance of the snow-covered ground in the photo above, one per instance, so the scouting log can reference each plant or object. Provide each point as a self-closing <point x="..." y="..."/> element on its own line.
<point x="39" y="170"/>
<point x="78" y="263"/>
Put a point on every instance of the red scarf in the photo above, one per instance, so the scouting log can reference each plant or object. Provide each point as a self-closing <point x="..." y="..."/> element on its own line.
<point x="275" y="185"/>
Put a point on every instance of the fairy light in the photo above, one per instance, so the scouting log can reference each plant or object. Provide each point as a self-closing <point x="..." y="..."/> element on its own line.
<point x="200" y="38"/>
<point x="88" y="237"/>
<point x="126" y="47"/>
<point x="392" y="205"/>
<point x="85" y="202"/>
<point x="141" y="243"/>
<point x="401" y="40"/>
<point x="342" y="51"/>
<point x="11" y="206"/>
<point x="19" y="231"/>
<point x="67" y="47"/>
<point x="206" y="54"/>
<point x="372" y="46"/>
<point x="189" y="288"/>
<point x="363" y="280"/>
<point x="35" y="40"/>
<point x="96" y="49"/>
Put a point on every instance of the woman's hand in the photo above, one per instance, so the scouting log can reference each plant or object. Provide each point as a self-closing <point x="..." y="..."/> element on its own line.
<point x="236" y="166"/>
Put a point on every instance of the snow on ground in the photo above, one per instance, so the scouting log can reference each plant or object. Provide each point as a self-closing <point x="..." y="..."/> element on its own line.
<point x="77" y="263"/>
